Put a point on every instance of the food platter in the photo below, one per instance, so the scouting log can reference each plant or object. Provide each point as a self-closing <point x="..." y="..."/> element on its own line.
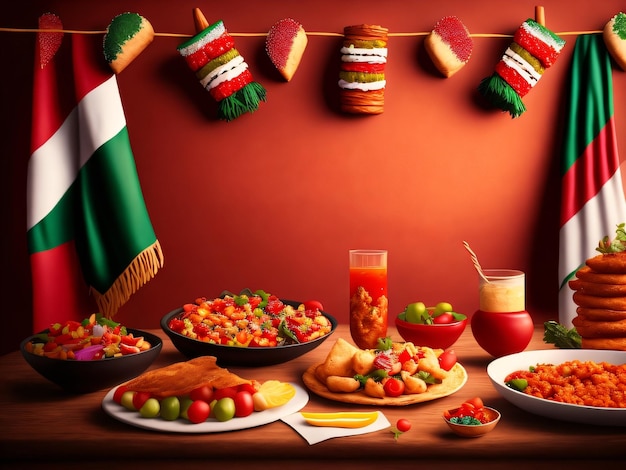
<point x="452" y="384"/>
<point x="498" y="369"/>
<point x="260" y="418"/>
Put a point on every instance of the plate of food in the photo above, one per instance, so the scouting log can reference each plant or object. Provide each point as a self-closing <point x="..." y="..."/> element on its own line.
<point x="181" y="380"/>
<point x="593" y="370"/>
<point x="348" y="375"/>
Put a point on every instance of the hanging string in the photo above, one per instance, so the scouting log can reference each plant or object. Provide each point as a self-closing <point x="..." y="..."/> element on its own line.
<point x="308" y="33"/>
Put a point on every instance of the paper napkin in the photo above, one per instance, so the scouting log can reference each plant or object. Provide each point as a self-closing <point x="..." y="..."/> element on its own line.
<point x="316" y="434"/>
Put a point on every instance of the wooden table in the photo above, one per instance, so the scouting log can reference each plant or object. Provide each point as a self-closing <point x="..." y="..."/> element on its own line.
<point x="40" y="424"/>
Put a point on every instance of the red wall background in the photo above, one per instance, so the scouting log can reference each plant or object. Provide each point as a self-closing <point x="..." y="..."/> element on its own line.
<point x="275" y="199"/>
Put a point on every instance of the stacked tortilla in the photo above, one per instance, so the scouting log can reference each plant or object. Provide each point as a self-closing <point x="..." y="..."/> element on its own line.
<point x="362" y="75"/>
<point x="600" y="294"/>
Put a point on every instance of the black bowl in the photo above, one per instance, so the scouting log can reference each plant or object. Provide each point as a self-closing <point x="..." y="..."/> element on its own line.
<point x="241" y="356"/>
<point x="90" y="376"/>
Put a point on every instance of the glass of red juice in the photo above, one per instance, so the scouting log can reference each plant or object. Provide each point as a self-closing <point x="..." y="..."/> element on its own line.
<point x="369" y="305"/>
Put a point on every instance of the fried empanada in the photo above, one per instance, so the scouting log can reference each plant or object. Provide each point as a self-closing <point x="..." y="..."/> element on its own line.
<point x="338" y="362"/>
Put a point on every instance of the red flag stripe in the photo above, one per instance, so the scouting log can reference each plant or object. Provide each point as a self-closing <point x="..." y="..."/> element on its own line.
<point x="590" y="172"/>
<point x="68" y="289"/>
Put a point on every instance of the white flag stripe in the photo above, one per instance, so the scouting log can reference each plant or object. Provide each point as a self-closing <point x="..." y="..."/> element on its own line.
<point x="579" y="236"/>
<point x="53" y="167"/>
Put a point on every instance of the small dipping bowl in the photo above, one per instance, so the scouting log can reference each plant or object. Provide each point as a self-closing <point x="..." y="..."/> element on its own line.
<point x="475" y="430"/>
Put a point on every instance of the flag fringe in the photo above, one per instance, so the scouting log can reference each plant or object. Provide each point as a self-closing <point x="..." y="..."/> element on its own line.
<point x="143" y="268"/>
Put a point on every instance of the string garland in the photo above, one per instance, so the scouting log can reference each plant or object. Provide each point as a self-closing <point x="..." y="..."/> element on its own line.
<point x="308" y="33"/>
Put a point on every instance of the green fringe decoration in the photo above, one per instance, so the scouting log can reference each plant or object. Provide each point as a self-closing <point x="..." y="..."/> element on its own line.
<point x="500" y="94"/>
<point x="242" y="101"/>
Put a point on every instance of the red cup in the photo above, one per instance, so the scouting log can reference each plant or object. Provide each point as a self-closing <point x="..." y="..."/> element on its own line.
<point x="502" y="333"/>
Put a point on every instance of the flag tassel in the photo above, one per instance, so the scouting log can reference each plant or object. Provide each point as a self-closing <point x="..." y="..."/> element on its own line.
<point x="143" y="268"/>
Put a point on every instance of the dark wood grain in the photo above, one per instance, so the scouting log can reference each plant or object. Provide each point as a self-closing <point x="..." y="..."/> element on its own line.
<point x="42" y="424"/>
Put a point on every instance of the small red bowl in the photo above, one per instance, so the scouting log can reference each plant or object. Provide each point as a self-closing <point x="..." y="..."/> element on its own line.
<point x="437" y="336"/>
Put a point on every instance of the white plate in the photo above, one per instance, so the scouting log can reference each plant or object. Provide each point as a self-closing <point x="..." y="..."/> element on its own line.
<point x="498" y="369"/>
<point x="257" y="418"/>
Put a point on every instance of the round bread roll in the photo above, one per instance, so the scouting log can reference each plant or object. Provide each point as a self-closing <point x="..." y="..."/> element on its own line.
<point x="600" y="314"/>
<point x="609" y="263"/>
<point x="614" y="35"/>
<point x="449" y="45"/>
<point x="285" y="45"/>
<point x="599" y="329"/>
<point x="587" y="274"/>
<point x="592" y="301"/>
<point x="127" y="36"/>
<point x="618" y="344"/>
<point x="598" y="290"/>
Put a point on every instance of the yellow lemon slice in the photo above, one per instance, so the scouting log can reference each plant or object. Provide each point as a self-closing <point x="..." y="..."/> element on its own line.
<point x="273" y="393"/>
<point x="347" y="419"/>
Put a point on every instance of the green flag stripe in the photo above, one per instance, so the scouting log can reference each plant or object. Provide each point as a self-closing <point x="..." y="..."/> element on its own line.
<point x="591" y="104"/>
<point x="104" y="211"/>
<point x="115" y="219"/>
<point x="58" y="226"/>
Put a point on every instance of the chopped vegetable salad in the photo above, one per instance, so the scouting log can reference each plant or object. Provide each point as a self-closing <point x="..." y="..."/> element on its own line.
<point x="257" y="319"/>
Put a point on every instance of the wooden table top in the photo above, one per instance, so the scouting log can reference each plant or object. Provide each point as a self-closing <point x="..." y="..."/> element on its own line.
<point x="42" y="424"/>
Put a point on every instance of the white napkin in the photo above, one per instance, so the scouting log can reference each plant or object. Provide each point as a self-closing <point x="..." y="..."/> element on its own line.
<point x="315" y="434"/>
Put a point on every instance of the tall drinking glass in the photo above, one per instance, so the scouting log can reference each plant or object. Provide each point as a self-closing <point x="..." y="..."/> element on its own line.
<point x="369" y="305"/>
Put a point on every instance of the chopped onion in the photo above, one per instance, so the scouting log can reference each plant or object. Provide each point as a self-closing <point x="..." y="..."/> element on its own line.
<point x="98" y="330"/>
<point x="88" y="353"/>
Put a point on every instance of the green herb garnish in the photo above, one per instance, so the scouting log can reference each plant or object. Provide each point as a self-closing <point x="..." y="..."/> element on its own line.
<point x="617" y="245"/>
<point x="560" y="336"/>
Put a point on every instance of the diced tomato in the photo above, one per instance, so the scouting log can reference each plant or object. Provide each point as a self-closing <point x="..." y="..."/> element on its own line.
<point x="393" y="387"/>
<point x="274" y="306"/>
<point x="126" y="349"/>
<point x="50" y="346"/>
<point x="177" y="325"/>
<point x="254" y="301"/>
<point x="131" y="340"/>
<point x="72" y="325"/>
<point x="313" y="305"/>
<point x="404" y="356"/>
<point x="64" y="338"/>
<point x="477" y="402"/>
<point x="201" y="330"/>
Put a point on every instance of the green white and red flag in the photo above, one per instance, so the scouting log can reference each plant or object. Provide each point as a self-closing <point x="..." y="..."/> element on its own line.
<point x="90" y="239"/>
<point x="592" y="194"/>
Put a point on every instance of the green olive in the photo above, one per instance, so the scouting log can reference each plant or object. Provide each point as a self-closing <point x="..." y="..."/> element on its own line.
<point x="150" y="409"/>
<point x="442" y="307"/>
<point x="415" y="312"/>
<point x="170" y="408"/>
<point x="127" y="400"/>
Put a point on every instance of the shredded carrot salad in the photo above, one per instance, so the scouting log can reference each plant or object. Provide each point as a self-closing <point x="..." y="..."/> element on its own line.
<point x="577" y="382"/>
